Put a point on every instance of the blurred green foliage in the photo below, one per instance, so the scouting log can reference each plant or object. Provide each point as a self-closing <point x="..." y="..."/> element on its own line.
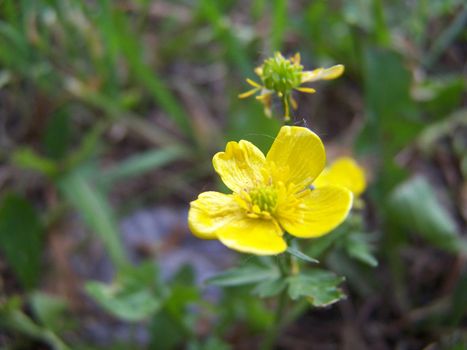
<point x="82" y="80"/>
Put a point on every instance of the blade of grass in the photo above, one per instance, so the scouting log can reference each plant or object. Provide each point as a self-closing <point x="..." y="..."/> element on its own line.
<point x="209" y="11"/>
<point x="19" y="321"/>
<point x="446" y="38"/>
<point x="115" y="111"/>
<point x="96" y="212"/>
<point x="142" y="163"/>
<point x="131" y="49"/>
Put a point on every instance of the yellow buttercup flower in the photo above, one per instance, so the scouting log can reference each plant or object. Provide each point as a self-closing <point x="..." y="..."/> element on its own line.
<point x="344" y="172"/>
<point x="281" y="76"/>
<point x="270" y="195"/>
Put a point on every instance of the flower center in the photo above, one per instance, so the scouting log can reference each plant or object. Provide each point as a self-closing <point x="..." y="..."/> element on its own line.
<point x="281" y="74"/>
<point x="264" y="199"/>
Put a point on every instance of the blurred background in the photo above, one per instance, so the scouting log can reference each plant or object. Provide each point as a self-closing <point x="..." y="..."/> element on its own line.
<point x="110" y="113"/>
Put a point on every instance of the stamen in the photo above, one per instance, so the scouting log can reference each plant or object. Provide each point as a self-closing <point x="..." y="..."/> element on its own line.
<point x="264" y="199"/>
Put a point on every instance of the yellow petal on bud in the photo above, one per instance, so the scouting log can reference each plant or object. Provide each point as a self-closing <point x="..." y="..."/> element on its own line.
<point x="293" y="103"/>
<point x="248" y="93"/>
<point x="266" y="100"/>
<point x="311" y="75"/>
<point x="323" y="74"/>
<point x="253" y="83"/>
<point x="333" y="72"/>
<point x="296" y="59"/>
<point x="306" y="90"/>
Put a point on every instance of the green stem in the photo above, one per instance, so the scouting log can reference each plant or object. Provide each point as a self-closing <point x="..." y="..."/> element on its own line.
<point x="274" y="331"/>
<point x="285" y="101"/>
<point x="297" y="310"/>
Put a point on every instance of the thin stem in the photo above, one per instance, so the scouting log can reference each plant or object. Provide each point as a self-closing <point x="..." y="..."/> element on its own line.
<point x="285" y="100"/>
<point x="274" y="331"/>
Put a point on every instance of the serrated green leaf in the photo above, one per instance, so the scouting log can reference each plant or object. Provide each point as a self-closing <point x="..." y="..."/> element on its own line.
<point x="269" y="288"/>
<point x="321" y="287"/>
<point x="135" y="306"/>
<point x="302" y="256"/>
<point x="244" y="275"/>
<point x="132" y="296"/>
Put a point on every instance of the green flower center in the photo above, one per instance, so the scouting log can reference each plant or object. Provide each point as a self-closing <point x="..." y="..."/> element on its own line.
<point x="280" y="74"/>
<point x="265" y="198"/>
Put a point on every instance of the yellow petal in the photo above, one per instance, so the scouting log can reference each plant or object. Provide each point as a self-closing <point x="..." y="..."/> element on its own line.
<point x="293" y="102"/>
<point x="323" y="74"/>
<point x="253" y="83"/>
<point x="295" y="59"/>
<point x="248" y="93"/>
<point x="211" y="211"/>
<point x="298" y="156"/>
<point x="256" y="236"/>
<point x="343" y="172"/>
<point x="306" y="90"/>
<point x="319" y="211"/>
<point x="240" y="165"/>
<point x="259" y="71"/>
<point x="333" y="72"/>
<point x="308" y="76"/>
<point x="266" y="100"/>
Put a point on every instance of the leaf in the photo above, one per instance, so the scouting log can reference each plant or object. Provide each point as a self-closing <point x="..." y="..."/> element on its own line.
<point x="26" y="158"/>
<point x="243" y="275"/>
<point x="13" y="318"/>
<point x="269" y="288"/>
<point x="87" y="148"/>
<point x="430" y="136"/>
<point x="392" y="116"/>
<point x="57" y="135"/>
<point x="441" y="96"/>
<point x="132" y="296"/>
<point x="214" y="343"/>
<point x="166" y="333"/>
<point x="358" y="247"/>
<point x="458" y="307"/>
<point x="414" y="206"/>
<point x="320" y="286"/>
<point x="142" y="163"/>
<point x="302" y="256"/>
<point x="96" y="212"/>
<point x="50" y="310"/>
<point x="321" y="244"/>
<point x="21" y="238"/>
<point x="146" y="76"/>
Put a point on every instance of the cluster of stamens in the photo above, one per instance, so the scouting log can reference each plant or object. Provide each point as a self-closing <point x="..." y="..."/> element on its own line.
<point x="259" y="202"/>
<point x="280" y="74"/>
